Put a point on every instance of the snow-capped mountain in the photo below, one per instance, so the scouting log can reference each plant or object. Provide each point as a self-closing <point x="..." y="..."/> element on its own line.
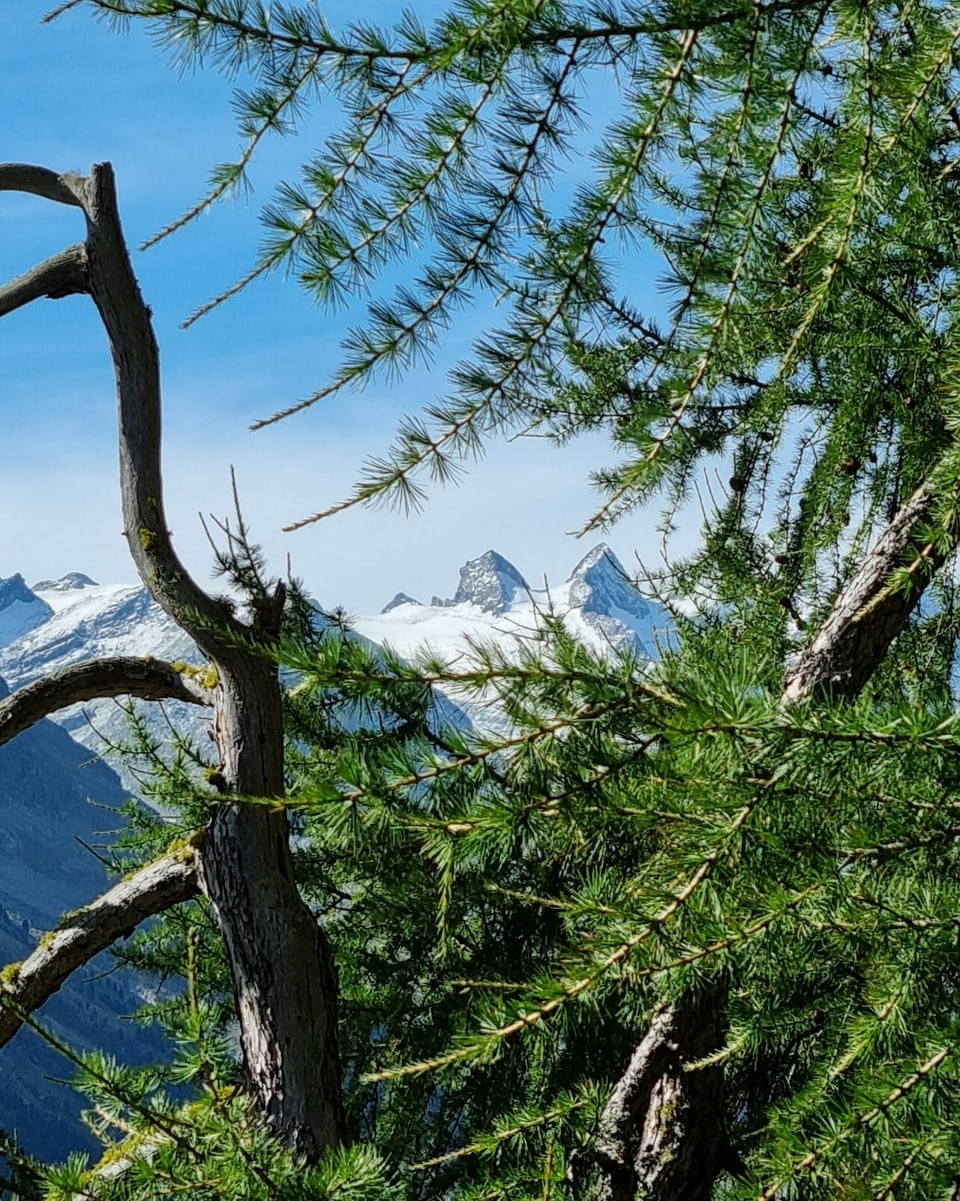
<point x="73" y="581"/>
<point x="494" y="603"/>
<point x="85" y="620"/>
<point x="46" y="778"/>
<point x="74" y="619"/>
<point x="20" y="609"/>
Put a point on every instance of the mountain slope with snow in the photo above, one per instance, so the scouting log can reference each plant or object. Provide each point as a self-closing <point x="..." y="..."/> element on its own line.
<point x="21" y="610"/>
<point x="92" y="621"/>
<point x="56" y="808"/>
<point x="494" y="603"/>
<point x="46" y="778"/>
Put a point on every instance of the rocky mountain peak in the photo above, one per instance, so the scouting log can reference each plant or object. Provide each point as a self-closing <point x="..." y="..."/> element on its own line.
<point x="73" y="581"/>
<point x="602" y="590"/>
<point x="14" y="589"/>
<point x="600" y="584"/>
<point x="490" y="582"/>
<point x="20" y="610"/>
<point x="400" y="599"/>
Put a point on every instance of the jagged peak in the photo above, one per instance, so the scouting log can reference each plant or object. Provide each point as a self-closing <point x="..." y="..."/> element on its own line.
<point x="400" y="599"/>
<point x="14" y="588"/>
<point x="599" y="556"/>
<point x="70" y="582"/>
<point x="490" y="581"/>
<point x="599" y="584"/>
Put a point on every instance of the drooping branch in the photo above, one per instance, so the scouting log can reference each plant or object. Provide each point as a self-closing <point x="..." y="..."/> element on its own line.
<point x="63" y="275"/>
<point x="82" y="935"/>
<point x="148" y="679"/>
<point x="662" y="1129"/>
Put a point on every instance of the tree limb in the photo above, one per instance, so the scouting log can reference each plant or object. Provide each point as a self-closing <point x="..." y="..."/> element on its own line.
<point x="870" y="611"/>
<point x="109" y="279"/>
<point x="62" y="275"/>
<point x="284" y="977"/>
<point x="116" y="914"/>
<point x="641" y="1150"/>
<point x="41" y="181"/>
<point x="148" y="679"/>
<point x="133" y="346"/>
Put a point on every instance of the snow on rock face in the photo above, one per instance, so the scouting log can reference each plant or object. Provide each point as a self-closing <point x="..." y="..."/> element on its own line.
<point x="494" y="604"/>
<point x="71" y="582"/>
<point x="490" y="582"/>
<point x="20" y="609"/>
<point x="82" y="620"/>
<point x="93" y="622"/>
<point x="400" y="599"/>
<point x="600" y="587"/>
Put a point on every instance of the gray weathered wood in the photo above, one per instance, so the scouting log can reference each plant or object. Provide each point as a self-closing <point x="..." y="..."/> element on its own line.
<point x="283" y="972"/>
<point x="153" y="889"/>
<point x="148" y="679"/>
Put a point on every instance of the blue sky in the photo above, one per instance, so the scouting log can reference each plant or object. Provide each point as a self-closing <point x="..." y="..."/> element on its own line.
<point x="74" y="93"/>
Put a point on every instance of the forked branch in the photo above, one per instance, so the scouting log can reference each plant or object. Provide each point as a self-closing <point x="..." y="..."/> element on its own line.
<point x="284" y="978"/>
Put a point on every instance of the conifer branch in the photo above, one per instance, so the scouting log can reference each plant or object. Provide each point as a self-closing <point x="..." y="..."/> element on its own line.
<point x="634" y="475"/>
<point x="583" y="984"/>
<point x="552" y="35"/>
<point x="861" y="1121"/>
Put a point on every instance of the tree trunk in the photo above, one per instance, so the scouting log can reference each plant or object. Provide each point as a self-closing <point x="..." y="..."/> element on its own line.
<point x="284" y="978"/>
<point x="663" y="1132"/>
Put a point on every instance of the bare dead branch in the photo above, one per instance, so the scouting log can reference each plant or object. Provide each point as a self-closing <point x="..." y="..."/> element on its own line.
<point x="110" y="281"/>
<point x="283" y="971"/>
<point x="133" y="346"/>
<point x="41" y="181"/>
<point x="115" y="915"/>
<point x="63" y="275"/>
<point x="148" y="679"/>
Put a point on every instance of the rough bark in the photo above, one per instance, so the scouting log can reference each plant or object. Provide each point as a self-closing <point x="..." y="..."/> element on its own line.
<point x="869" y="613"/>
<point x="284" y="978"/>
<point x="63" y="275"/>
<point x="662" y="1125"/>
<point x="283" y="972"/>
<point x="82" y="935"/>
<point x="662" y="1133"/>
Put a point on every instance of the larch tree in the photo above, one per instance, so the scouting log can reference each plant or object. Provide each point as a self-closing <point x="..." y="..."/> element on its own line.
<point x="741" y="977"/>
